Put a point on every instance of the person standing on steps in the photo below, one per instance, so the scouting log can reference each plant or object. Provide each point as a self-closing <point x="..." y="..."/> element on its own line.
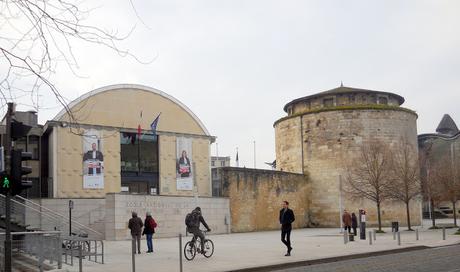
<point x="135" y="225"/>
<point x="286" y="218"/>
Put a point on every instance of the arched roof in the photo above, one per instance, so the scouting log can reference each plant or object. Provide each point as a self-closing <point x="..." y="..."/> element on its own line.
<point x="121" y="87"/>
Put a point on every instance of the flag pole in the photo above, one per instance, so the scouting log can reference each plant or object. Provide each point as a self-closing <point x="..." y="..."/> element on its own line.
<point x="237" y="159"/>
<point x="254" y="154"/>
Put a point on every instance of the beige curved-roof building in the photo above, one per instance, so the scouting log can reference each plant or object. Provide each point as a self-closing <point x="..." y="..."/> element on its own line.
<point x="103" y="143"/>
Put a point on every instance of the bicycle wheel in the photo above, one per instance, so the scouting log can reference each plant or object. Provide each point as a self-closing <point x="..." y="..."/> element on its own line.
<point x="189" y="250"/>
<point x="208" y="248"/>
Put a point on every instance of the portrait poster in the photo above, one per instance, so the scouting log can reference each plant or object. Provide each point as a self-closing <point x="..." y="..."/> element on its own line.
<point x="184" y="175"/>
<point x="93" y="160"/>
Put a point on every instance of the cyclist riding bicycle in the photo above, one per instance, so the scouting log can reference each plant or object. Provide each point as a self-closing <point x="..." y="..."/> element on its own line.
<point x="192" y="221"/>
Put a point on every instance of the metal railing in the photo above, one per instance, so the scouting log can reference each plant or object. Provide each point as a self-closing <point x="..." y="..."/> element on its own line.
<point x="37" y="217"/>
<point x="83" y="248"/>
<point x="40" y="250"/>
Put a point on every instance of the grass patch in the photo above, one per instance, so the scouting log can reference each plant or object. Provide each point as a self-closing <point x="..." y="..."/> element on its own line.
<point x="457" y="233"/>
<point x="380" y="231"/>
<point x="435" y="227"/>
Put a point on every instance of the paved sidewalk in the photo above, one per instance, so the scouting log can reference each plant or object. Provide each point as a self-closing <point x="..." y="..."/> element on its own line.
<point x="245" y="250"/>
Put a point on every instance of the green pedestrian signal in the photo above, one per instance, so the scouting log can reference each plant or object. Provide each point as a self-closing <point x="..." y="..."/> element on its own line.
<point x="6" y="183"/>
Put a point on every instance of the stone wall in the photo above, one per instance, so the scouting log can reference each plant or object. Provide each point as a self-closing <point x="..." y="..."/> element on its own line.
<point x="88" y="212"/>
<point x="256" y="196"/>
<point x="329" y="140"/>
<point x="168" y="211"/>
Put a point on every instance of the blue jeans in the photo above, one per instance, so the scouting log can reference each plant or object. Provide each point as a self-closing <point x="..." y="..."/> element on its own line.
<point x="149" y="242"/>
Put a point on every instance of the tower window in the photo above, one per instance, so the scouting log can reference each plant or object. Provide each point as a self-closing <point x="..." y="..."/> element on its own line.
<point x="383" y="100"/>
<point x="328" y="102"/>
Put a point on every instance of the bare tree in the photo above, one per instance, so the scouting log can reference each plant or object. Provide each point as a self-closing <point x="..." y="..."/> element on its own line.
<point x="448" y="182"/>
<point x="404" y="172"/>
<point x="430" y="188"/>
<point x="367" y="176"/>
<point x="35" y="36"/>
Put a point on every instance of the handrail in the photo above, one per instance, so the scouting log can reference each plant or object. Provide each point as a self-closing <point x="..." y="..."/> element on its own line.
<point x="63" y="222"/>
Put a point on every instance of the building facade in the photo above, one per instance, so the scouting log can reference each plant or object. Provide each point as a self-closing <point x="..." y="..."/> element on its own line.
<point x="324" y="131"/>
<point x="442" y="146"/>
<point x="104" y="143"/>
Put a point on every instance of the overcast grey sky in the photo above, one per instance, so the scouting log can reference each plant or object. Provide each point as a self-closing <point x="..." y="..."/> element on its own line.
<point x="235" y="64"/>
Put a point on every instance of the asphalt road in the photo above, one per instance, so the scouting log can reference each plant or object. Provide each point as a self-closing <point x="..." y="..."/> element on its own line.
<point x="442" y="259"/>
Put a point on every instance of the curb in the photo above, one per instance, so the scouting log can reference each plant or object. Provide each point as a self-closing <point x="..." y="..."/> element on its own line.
<point x="328" y="260"/>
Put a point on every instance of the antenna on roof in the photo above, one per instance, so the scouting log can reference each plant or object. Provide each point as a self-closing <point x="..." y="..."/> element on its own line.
<point x="341" y="83"/>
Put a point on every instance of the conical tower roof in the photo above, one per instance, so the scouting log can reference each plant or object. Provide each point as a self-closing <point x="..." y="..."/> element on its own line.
<point x="447" y="126"/>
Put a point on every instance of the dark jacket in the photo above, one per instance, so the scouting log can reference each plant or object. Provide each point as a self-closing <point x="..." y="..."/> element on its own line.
<point x="149" y="223"/>
<point x="197" y="219"/>
<point x="135" y="225"/>
<point x="354" y="221"/>
<point x="286" y="219"/>
<point x="89" y="155"/>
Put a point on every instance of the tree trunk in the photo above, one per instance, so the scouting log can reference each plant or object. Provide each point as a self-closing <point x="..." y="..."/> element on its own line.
<point x="408" y="216"/>
<point x="432" y="213"/>
<point x="455" y="213"/>
<point x="378" y="216"/>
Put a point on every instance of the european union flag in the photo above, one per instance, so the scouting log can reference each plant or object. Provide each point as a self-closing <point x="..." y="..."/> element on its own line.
<point x="154" y="124"/>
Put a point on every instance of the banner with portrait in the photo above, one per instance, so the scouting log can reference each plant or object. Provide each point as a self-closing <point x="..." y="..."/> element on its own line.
<point x="184" y="175"/>
<point x="93" y="160"/>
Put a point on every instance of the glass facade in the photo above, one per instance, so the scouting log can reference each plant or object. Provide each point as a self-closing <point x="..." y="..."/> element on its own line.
<point x="139" y="163"/>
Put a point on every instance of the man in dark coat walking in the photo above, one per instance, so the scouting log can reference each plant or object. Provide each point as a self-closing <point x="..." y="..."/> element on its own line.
<point x="135" y="225"/>
<point x="286" y="219"/>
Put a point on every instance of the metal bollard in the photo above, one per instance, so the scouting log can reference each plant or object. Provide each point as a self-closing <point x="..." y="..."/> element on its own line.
<point x="133" y="252"/>
<point x="180" y="252"/>
<point x="370" y="237"/>
<point x="375" y="234"/>
<point x="399" y="238"/>
<point x="80" y="258"/>
<point x="443" y="233"/>
<point x="416" y="234"/>
<point x="345" y="237"/>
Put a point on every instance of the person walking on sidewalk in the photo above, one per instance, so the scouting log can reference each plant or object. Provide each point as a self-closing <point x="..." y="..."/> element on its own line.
<point x="346" y="219"/>
<point x="354" y="223"/>
<point x="286" y="219"/>
<point x="135" y="225"/>
<point x="149" y="230"/>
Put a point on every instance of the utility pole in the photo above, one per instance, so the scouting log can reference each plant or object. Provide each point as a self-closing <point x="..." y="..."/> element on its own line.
<point x="7" y="147"/>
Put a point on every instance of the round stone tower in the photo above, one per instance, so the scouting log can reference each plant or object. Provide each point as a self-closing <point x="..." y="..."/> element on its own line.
<point x="323" y="131"/>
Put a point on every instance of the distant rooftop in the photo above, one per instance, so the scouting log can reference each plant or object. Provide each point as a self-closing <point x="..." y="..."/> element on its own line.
<point x="447" y="126"/>
<point x="342" y="90"/>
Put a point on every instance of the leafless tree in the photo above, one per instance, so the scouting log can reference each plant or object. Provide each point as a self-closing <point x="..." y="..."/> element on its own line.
<point x="404" y="175"/>
<point x="430" y="187"/>
<point x="447" y="179"/>
<point x="367" y="176"/>
<point x="36" y="35"/>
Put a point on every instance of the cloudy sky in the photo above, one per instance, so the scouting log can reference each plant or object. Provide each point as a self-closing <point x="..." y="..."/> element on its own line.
<point x="236" y="63"/>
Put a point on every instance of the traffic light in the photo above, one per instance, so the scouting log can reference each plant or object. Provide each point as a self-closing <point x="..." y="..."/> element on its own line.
<point x="5" y="183"/>
<point x="17" y="171"/>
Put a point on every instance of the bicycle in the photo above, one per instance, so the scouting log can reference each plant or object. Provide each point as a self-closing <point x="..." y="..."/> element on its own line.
<point x="193" y="246"/>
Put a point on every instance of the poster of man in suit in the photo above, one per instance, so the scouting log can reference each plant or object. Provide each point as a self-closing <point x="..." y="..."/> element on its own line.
<point x="184" y="175"/>
<point x="93" y="160"/>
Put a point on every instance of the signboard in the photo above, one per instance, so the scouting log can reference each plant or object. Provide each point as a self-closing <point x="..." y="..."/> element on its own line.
<point x="184" y="175"/>
<point x="93" y="160"/>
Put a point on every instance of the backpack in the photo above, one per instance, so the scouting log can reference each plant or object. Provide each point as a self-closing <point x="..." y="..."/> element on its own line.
<point x="189" y="220"/>
<point x="153" y="224"/>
